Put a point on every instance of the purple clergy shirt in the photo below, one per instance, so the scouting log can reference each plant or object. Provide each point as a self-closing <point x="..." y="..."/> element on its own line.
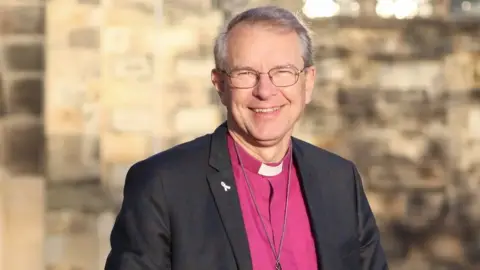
<point x="298" y="251"/>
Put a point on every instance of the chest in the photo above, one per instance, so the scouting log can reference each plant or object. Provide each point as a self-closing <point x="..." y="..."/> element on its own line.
<point x="276" y="221"/>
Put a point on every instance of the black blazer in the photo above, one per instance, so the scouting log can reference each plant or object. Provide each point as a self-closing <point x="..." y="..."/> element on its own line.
<point x="176" y="214"/>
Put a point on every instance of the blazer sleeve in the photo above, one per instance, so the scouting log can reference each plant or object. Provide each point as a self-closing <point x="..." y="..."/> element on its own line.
<point x="371" y="251"/>
<point x="140" y="238"/>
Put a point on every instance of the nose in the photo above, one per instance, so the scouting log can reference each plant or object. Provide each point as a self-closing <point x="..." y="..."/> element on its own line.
<point x="265" y="88"/>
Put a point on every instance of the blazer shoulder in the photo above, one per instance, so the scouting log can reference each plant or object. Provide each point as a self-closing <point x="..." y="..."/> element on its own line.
<point x="313" y="152"/>
<point x="146" y="174"/>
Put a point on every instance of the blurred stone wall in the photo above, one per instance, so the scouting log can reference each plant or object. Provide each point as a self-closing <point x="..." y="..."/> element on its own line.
<point x="114" y="81"/>
<point x="22" y="182"/>
<point x="401" y="99"/>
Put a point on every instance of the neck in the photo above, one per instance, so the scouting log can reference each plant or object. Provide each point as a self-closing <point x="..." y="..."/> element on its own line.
<point x="274" y="152"/>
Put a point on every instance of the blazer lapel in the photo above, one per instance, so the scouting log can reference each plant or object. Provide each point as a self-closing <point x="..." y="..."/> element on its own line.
<point x="222" y="185"/>
<point x="313" y="181"/>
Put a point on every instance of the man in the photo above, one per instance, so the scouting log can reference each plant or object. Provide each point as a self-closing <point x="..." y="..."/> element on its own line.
<point x="249" y="196"/>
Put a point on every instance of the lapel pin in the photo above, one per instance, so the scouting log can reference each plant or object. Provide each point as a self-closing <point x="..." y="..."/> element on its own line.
<point x="225" y="186"/>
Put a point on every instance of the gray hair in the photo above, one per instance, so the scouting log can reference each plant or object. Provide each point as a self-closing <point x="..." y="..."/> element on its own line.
<point x="273" y="15"/>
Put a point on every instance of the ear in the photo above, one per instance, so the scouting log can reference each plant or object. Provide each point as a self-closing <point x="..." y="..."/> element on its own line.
<point x="218" y="80"/>
<point x="310" y="76"/>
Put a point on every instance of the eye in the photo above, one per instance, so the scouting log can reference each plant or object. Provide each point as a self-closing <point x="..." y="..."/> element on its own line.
<point x="243" y="73"/>
<point x="283" y="72"/>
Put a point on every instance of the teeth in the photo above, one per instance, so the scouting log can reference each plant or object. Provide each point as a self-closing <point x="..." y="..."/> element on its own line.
<point x="268" y="110"/>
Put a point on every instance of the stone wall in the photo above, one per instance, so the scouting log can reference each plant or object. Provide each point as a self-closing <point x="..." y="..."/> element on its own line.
<point x="401" y="99"/>
<point x="127" y="78"/>
<point x="22" y="184"/>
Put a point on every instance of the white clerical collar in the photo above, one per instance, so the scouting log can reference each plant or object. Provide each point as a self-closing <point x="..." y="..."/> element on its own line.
<point x="267" y="170"/>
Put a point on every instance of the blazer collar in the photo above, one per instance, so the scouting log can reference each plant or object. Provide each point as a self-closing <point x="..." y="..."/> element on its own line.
<point x="219" y="157"/>
<point x="313" y="176"/>
<point x="227" y="201"/>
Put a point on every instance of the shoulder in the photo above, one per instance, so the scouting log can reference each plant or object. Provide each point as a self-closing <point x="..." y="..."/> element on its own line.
<point x="188" y="152"/>
<point x="145" y="172"/>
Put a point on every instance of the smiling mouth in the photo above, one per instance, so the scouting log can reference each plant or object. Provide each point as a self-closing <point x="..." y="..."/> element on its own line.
<point x="266" y="110"/>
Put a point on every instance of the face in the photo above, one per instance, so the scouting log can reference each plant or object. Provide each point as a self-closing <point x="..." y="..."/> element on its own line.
<point x="265" y="114"/>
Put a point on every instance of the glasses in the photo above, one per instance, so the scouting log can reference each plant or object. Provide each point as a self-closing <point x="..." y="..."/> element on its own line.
<point x="249" y="78"/>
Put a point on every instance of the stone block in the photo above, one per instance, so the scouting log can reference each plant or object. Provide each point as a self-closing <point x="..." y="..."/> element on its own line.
<point x="357" y="105"/>
<point x="475" y="93"/>
<point x="24" y="57"/>
<point x="136" y="68"/>
<point x="84" y="196"/>
<point x="427" y="41"/>
<point x="119" y="40"/>
<point x="22" y="20"/>
<point x="210" y="25"/>
<point x="25" y="2"/>
<point x="26" y="96"/>
<point x="89" y="2"/>
<point x="116" y="94"/>
<point x="84" y="38"/>
<point x="466" y="43"/>
<point x="199" y="95"/>
<point x="459" y="71"/>
<point x="72" y="158"/>
<point x="406" y="75"/>
<point x="66" y="17"/>
<point x="178" y="39"/>
<point x="144" y="7"/>
<point x="125" y="15"/>
<point x="60" y="120"/>
<point x="139" y="120"/>
<point x="93" y="116"/>
<point x="116" y="40"/>
<point x="24" y="142"/>
<point x="194" y="68"/>
<point x="424" y="209"/>
<point x="197" y="120"/>
<point x="123" y="148"/>
<point x="447" y="248"/>
<point x="332" y="69"/>
<point x="25" y="229"/>
<point x="474" y="123"/>
<point x="62" y="77"/>
<point x="71" y="241"/>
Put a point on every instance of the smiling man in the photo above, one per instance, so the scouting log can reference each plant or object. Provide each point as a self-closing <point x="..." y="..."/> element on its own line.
<point x="249" y="195"/>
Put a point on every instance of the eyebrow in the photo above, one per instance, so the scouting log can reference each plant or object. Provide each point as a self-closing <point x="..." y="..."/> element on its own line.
<point x="251" y="68"/>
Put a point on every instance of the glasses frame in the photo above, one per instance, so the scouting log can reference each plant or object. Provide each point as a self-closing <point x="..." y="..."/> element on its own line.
<point x="258" y="73"/>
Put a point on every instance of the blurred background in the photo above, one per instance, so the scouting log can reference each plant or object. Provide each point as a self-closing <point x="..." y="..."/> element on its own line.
<point x="88" y="87"/>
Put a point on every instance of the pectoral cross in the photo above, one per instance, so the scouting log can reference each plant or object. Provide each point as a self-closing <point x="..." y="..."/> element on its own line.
<point x="278" y="266"/>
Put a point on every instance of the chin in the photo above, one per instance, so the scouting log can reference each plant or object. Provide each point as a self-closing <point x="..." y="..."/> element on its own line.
<point x="267" y="137"/>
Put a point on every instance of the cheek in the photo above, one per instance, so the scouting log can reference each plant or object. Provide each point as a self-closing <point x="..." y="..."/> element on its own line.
<point x="240" y="98"/>
<point x="295" y="97"/>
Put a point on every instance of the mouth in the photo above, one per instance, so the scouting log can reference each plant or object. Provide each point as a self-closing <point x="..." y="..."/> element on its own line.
<point x="266" y="110"/>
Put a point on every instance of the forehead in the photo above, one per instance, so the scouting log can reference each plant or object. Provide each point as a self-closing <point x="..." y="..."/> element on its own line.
<point x="263" y="46"/>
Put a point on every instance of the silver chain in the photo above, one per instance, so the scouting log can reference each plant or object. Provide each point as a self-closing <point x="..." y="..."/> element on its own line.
<point x="275" y="253"/>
